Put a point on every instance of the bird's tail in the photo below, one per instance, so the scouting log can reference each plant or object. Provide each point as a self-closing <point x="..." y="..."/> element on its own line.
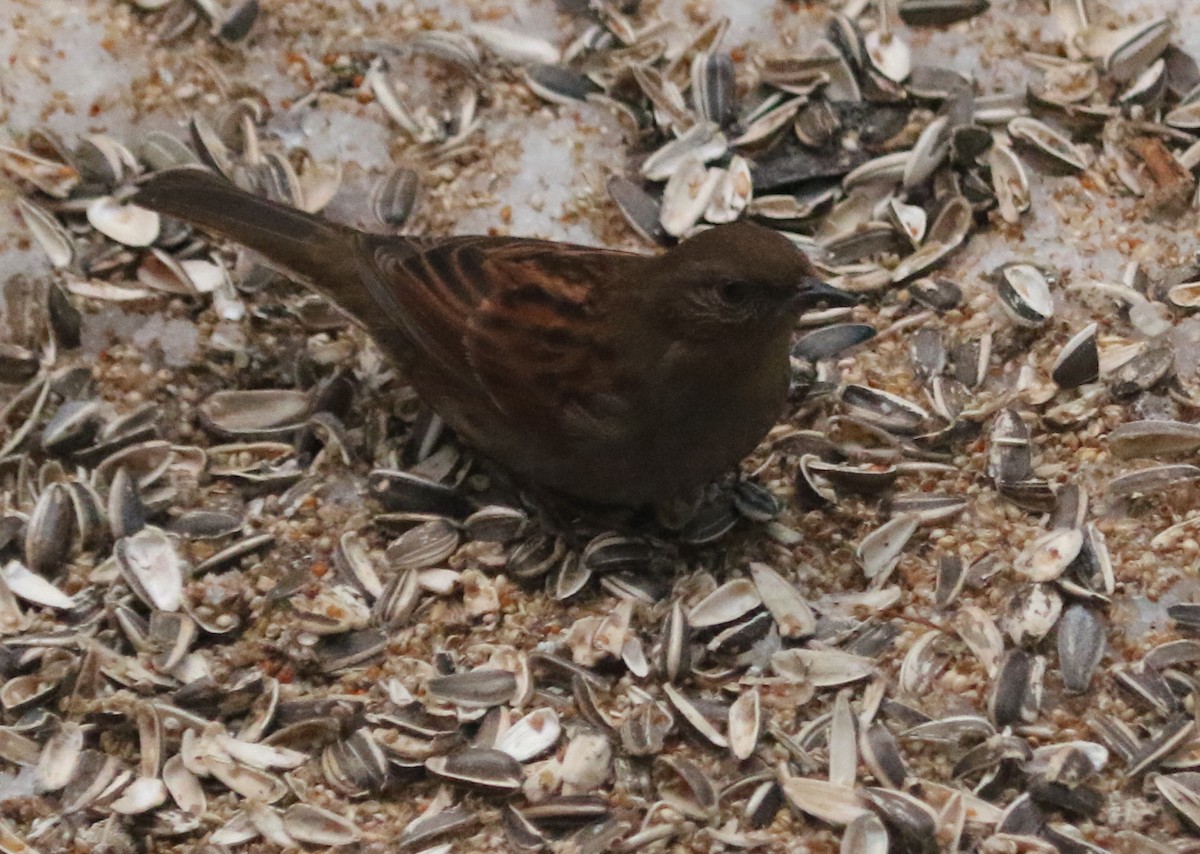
<point x="303" y="245"/>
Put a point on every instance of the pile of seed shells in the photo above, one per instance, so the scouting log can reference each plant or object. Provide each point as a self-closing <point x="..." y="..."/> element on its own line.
<point x="277" y="605"/>
<point x="175" y="19"/>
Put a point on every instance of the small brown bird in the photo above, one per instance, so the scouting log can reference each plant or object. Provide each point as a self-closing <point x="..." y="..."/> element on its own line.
<point x="613" y="377"/>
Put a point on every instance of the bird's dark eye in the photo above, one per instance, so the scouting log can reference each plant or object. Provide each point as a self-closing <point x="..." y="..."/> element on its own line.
<point x="735" y="292"/>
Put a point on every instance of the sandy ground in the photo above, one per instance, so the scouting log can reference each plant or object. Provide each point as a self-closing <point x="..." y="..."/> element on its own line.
<point x="94" y="67"/>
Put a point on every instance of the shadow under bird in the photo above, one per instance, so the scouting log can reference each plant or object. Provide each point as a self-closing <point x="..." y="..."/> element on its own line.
<point x="608" y="376"/>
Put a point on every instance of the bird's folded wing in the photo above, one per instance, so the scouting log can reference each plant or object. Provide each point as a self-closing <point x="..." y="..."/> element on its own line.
<point x="516" y="318"/>
<point x="544" y="343"/>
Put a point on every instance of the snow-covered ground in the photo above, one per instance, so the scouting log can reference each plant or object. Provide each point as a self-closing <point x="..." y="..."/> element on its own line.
<point x="92" y="66"/>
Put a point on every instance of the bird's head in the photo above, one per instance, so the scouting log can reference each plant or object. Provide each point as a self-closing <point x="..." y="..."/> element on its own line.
<point x="740" y="276"/>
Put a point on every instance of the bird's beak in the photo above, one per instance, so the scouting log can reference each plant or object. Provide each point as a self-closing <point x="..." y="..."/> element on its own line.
<point x="813" y="291"/>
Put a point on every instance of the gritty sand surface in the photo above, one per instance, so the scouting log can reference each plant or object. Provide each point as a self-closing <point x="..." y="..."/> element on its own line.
<point x="540" y="170"/>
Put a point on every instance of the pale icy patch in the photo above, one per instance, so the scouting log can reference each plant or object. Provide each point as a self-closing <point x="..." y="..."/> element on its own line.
<point x="1187" y="34"/>
<point x="331" y="132"/>
<point x="1083" y="240"/>
<point x="1185" y="338"/>
<point x="1140" y="616"/>
<point x="756" y="24"/>
<point x="536" y="17"/>
<point x="31" y="260"/>
<point x="532" y="17"/>
<point x="64" y="54"/>
<point x="559" y="168"/>
<point x="21" y="785"/>
<point x="176" y="339"/>
<point x="752" y="20"/>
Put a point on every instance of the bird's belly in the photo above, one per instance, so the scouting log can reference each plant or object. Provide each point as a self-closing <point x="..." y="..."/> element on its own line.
<point x="674" y="447"/>
<point x="661" y="444"/>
